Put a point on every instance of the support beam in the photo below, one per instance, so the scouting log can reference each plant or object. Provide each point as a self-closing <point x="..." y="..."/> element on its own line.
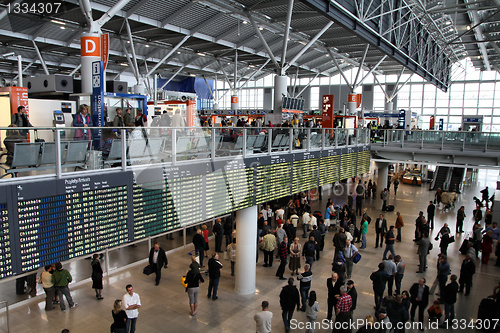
<point x="263" y="41"/>
<point x="371" y="71"/>
<point x="162" y="60"/>
<point x="45" y="69"/>
<point x="171" y="78"/>
<point x="254" y="73"/>
<point x="307" y="85"/>
<point x="111" y="12"/>
<point x="388" y="99"/>
<point x="136" y="7"/>
<point x="25" y="68"/>
<point x="75" y="70"/>
<point x="338" y="67"/>
<point x="178" y="13"/>
<point x="206" y="23"/>
<point x="225" y="75"/>
<point x="208" y="86"/>
<point x="132" y="48"/>
<point x="398" y="89"/>
<point x="127" y="56"/>
<point x="286" y="35"/>
<point x="354" y="84"/>
<point x="308" y="45"/>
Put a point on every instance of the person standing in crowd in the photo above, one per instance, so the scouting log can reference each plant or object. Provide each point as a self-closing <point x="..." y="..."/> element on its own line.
<point x="231" y="249"/>
<point x="485" y="195"/>
<point x="228" y="229"/>
<point x="62" y="278"/>
<point x="214" y="267"/>
<point x="467" y="271"/>
<point x="97" y="276"/>
<point x="289" y="300"/>
<point x="445" y="241"/>
<point x="157" y="260"/>
<point x="20" y="119"/>
<point x="140" y="120"/>
<point x="397" y="313"/>
<point x="218" y="232"/>
<point x="399" y="224"/>
<point x="487" y="247"/>
<point x="305" y="279"/>
<point x="295" y="251"/>
<point x="280" y="235"/>
<point x="333" y="284"/>
<point x="193" y="278"/>
<point x="418" y="226"/>
<point x="306" y="220"/>
<point x="349" y="252"/>
<point x="132" y="304"/>
<point x="118" y="120"/>
<point x="389" y="243"/>
<point x="83" y="119"/>
<point x="400" y="271"/>
<point x="205" y="233"/>
<point x="312" y="309"/>
<point x="263" y="319"/>
<point x="47" y="281"/>
<point x="343" y="309"/>
<point x="419" y="293"/>
<point x="283" y="255"/>
<point x="391" y="269"/>
<point x="384" y="195"/>
<point x="379" y="279"/>
<point x="380" y="230"/>
<point x="396" y="185"/>
<point x="316" y="234"/>
<point x="309" y="250"/>
<point x="268" y="246"/>
<point x="364" y="231"/>
<point x="449" y="298"/>
<point x="460" y="219"/>
<point x="431" y="210"/>
<point x="351" y="291"/>
<point x="424" y="245"/>
<point x="119" y="324"/>
<point x="177" y="119"/>
<point x="444" y="229"/>
<point x="199" y="245"/>
<point x="443" y="267"/>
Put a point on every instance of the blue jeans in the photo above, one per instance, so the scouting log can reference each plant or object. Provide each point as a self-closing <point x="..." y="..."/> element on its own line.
<point x="287" y="316"/>
<point x="389" y="247"/>
<point x="304" y="294"/>
<point x="310" y="260"/>
<point x="398" y="278"/>
<point x="363" y="241"/>
<point x="64" y="291"/>
<point x="131" y="324"/>
<point x="449" y="310"/>
<point x="213" y="284"/>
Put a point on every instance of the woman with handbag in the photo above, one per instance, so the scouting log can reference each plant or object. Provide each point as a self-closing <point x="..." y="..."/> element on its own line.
<point x="193" y="278"/>
<point x="96" y="276"/>
<point x="295" y="251"/>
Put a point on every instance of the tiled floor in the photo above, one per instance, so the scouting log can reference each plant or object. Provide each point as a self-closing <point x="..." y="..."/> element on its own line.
<point x="165" y="307"/>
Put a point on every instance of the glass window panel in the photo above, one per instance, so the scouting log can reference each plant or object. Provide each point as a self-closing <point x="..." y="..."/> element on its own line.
<point x="455" y="120"/>
<point x="441" y="112"/>
<point x="456" y="103"/>
<point x="496" y="102"/>
<point x="489" y="75"/>
<point x="496" y="120"/>
<point x="470" y="103"/>
<point x="268" y="80"/>
<point x="472" y="74"/>
<point x="484" y="112"/>
<point x="440" y="95"/>
<point x="485" y="103"/>
<point x="455" y="112"/>
<point x="429" y="111"/>
<point x="473" y="87"/>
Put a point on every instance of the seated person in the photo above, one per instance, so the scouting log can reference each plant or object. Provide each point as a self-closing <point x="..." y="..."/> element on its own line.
<point x="108" y="135"/>
<point x="12" y="137"/>
<point x="434" y="311"/>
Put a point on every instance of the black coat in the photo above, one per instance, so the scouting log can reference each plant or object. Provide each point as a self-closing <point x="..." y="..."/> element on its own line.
<point x="450" y="293"/>
<point x="384" y="226"/>
<point x="199" y="242"/>
<point x="162" y="258"/>
<point x="467" y="271"/>
<point x="414" y="294"/>
<point x="289" y="298"/>
<point x="354" y="295"/>
<point x="218" y="230"/>
<point x="379" y="279"/>
<point x="333" y="289"/>
<point x="214" y="266"/>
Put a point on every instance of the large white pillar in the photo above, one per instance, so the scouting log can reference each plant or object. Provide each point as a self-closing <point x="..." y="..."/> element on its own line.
<point x="280" y="90"/>
<point x="382" y="172"/>
<point x="246" y="249"/>
<point x="389" y="106"/>
<point x="234" y="103"/>
<point x="90" y="52"/>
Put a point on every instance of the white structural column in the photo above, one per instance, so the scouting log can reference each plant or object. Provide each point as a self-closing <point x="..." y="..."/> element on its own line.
<point x="383" y="173"/>
<point x="389" y="106"/>
<point x="246" y="249"/>
<point x="280" y="90"/>
<point x="91" y="51"/>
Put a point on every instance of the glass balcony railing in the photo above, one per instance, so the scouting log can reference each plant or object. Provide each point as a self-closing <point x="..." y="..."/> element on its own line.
<point x="57" y="151"/>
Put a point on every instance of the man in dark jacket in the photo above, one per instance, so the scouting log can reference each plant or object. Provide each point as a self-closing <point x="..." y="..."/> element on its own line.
<point x="419" y="297"/>
<point x="380" y="230"/>
<point x="397" y="313"/>
<point x="218" y="232"/>
<point x="466" y="272"/>
<point x="317" y="238"/>
<point x="333" y="283"/>
<point x="214" y="266"/>
<point x="199" y="245"/>
<point x="305" y="279"/>
<point x="379" y="279"/>
<point x="351" y="291"/>
<point x="157" y="260"/>
<point x="339" y="241"/>
<point x="284" y="251"/>
<point x="431" y="209"/>
<point x="289" y="299"/>
<point x="449" y="297"/>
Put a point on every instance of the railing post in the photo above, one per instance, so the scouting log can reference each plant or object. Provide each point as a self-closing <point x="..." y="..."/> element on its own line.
<point x="463" y="141"/>
<point x="184" y="236"/>
<point x="212" y="139"/>
<point x="58" y="154"/>
<point x="486" y="143"/>
<point x="356" y="135"/>
<point x="174" y="146"/>
<point x="244" y="147"/>
<point x="6" y="314"/>
<point x="270" y="141"/>
<point x="149" y="243"/>
<point x="124" y="150"/>
<point x="291" y="137"/>
<point x="402" y="139"/>
<point x="336" y="137"/>
<point x="421" y="140"/>
<point x="323" y="134"/>
<point x="308" y="141"/>
<point x="442" y="141"/>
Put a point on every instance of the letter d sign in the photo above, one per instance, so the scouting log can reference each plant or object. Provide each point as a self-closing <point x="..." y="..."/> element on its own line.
<point x="91" y="46"/>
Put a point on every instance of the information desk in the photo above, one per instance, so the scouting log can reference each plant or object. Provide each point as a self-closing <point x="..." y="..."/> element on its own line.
<point x="43" y="222"/>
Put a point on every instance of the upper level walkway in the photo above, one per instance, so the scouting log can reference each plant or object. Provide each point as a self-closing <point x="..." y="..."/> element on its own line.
<point x="437" y="147"/>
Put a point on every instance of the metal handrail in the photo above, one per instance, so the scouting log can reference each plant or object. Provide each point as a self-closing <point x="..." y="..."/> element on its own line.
<point x="7" y="314"/>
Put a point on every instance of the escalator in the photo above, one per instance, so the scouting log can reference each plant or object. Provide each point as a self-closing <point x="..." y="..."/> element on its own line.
<point x="457" y="177"/>
<point x="440" y="177"/>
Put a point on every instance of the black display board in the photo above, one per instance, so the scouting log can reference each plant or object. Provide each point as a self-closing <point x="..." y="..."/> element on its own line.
<point x="43" y="222"/>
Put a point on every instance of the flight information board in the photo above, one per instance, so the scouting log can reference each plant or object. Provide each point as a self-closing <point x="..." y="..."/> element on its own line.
<point x="43" y="222"/>
<point x="329" y="169"/>
<point x="305" y="172"/>
<point x="5" y="243"/>
<point x="363" y="165"/>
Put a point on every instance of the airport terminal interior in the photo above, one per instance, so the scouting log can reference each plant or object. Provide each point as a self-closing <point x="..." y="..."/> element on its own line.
<point x="129" y="122"/>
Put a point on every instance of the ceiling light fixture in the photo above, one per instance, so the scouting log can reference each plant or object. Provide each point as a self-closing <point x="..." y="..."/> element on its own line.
<point x="147" y="45"/>
<point x="57" y="22"/>
<point x="201" y="54"/>
<point x="468" y="27"/>
<point x="261" y="28"/>
<point x="245" y="22"/>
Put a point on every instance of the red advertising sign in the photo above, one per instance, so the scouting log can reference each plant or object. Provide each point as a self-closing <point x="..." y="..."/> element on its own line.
<point x="104" y="50"/>
<point x="358" y="100"/>
<point x="327" y="111"/>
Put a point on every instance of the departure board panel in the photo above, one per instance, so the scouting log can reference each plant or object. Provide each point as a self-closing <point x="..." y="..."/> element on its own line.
<point x="348" y="165"/>
<point x="329" y="169"/>
<point x="273" y="180"/>
<point x="305" y="172"/>
<point x="363" y="162"/>
<point x="5" y="243"/>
